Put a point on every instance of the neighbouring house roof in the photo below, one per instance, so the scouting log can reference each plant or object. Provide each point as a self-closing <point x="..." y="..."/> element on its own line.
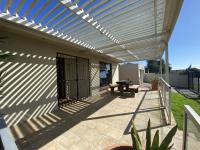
<point x="195" y="70"/>
<point x="185" y="71"/>
<point x="128" y="30"/>
<point x="180" y="71"/>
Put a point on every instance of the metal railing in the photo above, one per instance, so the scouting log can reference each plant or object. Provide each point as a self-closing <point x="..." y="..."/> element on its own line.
<point x="7" y="141"/>
<point x="191" y="131"/>
<point x="165" y="93"/>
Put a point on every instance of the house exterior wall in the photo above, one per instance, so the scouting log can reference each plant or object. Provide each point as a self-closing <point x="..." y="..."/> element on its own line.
<point x="30" y="81"/>
<point x="130" y="72"/>
<point x="95" y="82"/>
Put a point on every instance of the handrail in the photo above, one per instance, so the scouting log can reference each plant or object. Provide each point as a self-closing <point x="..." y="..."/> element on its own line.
<point x="165" y="82"/>
<point x="6" y="137"/>
<point x="165" y="93"/>
<point x="193" y="116"/>
<point x="190" y="114"/>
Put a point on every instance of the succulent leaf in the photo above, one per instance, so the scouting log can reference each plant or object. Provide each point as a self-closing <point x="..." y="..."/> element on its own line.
<point x="170" y="147"/>
<point x="155" y="143"/>
<point x="167" y="140"/>
<point x="135" y="131"/>
<point x="137" y="145"/>
<point x="148" y="136"/>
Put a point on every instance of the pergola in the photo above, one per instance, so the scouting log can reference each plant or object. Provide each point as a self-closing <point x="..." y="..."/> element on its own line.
<point x="129" y="30"/>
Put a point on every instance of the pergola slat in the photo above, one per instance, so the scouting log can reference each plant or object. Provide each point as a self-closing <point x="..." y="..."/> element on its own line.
<point x="41" y="9"/>
<point x="30" y="8"/>
<point x="128" y="30"/>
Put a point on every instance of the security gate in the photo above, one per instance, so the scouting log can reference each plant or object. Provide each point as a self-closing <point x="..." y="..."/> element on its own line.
<point x="73" y="79"/>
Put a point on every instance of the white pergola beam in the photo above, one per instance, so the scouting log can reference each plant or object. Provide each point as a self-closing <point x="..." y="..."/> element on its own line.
<point x="136" y="40"/>
<point x="19" y="6"/>
<point x="109" y="14"/>
<point x="130" y="11"/>
<point x="128" y="30"/>
<point x="41" y="9"/>
<point x="166" y="64"/>
<point x="8" y="4"/>
<point x="84" y="16"/>
<point x="30" y="8"/>
<point x="49" y="13"/>
<point x="23" y="21"/>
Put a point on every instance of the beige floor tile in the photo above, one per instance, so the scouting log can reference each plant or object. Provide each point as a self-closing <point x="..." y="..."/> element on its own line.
<point x="95" y="128"/>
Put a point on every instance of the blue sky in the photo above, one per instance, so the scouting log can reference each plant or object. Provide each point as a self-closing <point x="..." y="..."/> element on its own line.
<point x="184" y="45"/>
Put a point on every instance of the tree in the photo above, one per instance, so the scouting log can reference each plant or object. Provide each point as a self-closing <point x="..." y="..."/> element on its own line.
<point x="153" y="66"/>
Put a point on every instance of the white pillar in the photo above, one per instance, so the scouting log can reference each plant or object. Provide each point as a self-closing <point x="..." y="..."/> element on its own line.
<point x="166" y="64"/>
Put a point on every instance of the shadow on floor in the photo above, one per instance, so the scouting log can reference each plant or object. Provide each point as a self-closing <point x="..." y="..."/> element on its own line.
<point x="145" y="109"/>
<point x="44" y="129"/>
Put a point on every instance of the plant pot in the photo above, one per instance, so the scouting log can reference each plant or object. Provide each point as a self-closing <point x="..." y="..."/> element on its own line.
<point x="154" y="85"/>
<point x="119" y="147"/>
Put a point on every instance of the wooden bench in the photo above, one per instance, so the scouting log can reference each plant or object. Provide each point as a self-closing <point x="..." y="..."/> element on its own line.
<point x="135" y="88"/>
<point x="112" y="87"/>
<point x="65" y="102"/>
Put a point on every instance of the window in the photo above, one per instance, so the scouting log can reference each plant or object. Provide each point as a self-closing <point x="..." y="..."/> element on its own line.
<point x="105" y="74"/>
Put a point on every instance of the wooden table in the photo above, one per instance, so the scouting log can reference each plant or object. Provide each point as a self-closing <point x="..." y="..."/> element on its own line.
<point x="122" y="84"/>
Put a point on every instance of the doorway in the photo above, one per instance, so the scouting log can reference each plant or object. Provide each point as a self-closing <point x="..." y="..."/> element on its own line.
<point x="73" y="78"/>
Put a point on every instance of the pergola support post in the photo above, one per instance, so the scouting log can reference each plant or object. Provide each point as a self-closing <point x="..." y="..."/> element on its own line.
<point x="161" y="66"/>
<point x="166" y="64"/>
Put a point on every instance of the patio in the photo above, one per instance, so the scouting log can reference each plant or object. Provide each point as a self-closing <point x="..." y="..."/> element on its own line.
<point x="95" y="123"/>
<point x="68" y="50"/>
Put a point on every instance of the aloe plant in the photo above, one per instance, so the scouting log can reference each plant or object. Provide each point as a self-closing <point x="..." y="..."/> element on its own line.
<point x="154" y="145"/>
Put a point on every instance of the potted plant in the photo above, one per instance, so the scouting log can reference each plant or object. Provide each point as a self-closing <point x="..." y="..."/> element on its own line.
<point x="154" y="83"/>
<point x="149" y="145"/>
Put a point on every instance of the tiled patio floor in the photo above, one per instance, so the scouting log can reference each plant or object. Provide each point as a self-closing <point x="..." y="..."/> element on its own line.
<point x="94" y="124"/>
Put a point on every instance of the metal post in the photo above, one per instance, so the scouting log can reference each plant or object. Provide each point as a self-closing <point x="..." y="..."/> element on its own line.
<point x="170" y="107"/>
<point x="164" y="95"/>
<point x="166" y="64"/>
<point x="198" y="82"/>
<point x="185" y="131"/>
<point x="160" y="66"/>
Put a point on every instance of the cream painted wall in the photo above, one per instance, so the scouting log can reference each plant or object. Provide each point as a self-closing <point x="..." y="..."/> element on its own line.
<point x="29" y="87"/>
<point x="95" y="82"/>
<point x="115" y="73"/>
<point x="129" y="72"/>
<point x="30" y="83"/>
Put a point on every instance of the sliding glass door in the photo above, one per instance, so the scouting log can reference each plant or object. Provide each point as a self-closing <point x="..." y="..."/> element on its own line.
<point x="73" y="78"/>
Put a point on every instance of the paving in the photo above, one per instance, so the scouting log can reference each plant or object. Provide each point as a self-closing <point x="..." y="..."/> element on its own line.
<point x="188" y="93"/>
<point x="95" y="124"/>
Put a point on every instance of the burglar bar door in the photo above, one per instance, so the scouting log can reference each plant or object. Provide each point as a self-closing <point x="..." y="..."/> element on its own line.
<point x="72" y="77"/>
<point x="83" y="78"/>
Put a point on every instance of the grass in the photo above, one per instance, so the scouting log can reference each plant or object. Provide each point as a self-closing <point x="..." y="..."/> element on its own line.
<point x="178" y="102"/>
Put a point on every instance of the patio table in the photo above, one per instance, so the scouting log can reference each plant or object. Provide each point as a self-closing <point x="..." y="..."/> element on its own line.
<point x="122" y="84"/>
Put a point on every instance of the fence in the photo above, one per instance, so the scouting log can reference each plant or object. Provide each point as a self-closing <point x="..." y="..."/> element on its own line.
<point x="191" y="132"/>
<point x="178" y="79"/>
<point x="165" y="93"/>
<point x="194" y="81"/>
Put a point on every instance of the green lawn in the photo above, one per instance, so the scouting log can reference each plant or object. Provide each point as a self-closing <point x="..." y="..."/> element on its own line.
<point x="178" y="102"/>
